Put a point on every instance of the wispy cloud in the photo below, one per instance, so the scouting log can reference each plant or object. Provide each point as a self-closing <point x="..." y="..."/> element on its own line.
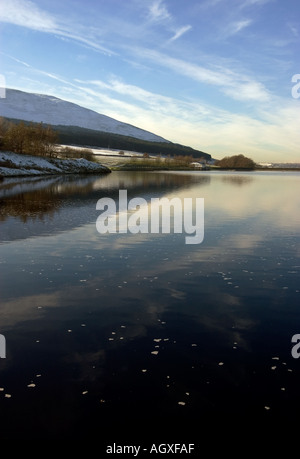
<point x="25" y="13"/>
<point x="237" y="26"/>
<point x="180" y="32"/>
<point x="16" y="60"/>
<point x="235" y="85"/>
<point x="161" y="104"/>
<point x="247" y="3"/>
<point x="247" y="91"/>
<point x="158" y="11"/>
<point x="294" y="30"/>
<point x="39" y="72"/>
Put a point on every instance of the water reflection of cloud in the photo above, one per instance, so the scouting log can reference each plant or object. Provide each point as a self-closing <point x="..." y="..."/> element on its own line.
<point x="21" y="309"/>
<point x="243" y="241"/>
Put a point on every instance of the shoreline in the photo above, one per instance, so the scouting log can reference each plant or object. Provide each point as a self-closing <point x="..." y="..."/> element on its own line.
<point x="21" y="165"/>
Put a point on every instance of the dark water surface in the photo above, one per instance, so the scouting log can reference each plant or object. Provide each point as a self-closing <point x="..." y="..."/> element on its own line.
<point x="106" y="333"/>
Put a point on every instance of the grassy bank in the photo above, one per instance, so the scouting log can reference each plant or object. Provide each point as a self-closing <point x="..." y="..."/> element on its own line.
<point x="153" y="164"/>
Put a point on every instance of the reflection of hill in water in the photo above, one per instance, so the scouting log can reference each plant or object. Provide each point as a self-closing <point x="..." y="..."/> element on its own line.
<point x="37" y="198"/>
<point x="50" y="205"/>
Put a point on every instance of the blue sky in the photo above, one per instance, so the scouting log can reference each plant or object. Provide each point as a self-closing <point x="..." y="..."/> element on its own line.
<point x="212" y="74"/>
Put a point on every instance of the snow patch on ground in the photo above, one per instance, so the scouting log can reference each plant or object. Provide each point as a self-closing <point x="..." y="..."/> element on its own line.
<point x="13" y="164"/>
<point x="102" y="151"/>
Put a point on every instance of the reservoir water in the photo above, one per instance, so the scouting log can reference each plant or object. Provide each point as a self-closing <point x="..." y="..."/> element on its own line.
<point x="108" y="332"/>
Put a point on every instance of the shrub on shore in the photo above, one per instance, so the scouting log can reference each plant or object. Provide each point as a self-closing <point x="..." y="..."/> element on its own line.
<point x="236" y="162"/>
<point x="77" y="153"/>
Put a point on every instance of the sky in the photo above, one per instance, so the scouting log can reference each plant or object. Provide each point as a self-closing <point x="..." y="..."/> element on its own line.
<point x="221" y="76"/>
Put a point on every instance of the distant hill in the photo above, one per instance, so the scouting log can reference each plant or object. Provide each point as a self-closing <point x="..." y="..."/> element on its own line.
<point x="77" y="125"/>
<point x="51" y="110"/>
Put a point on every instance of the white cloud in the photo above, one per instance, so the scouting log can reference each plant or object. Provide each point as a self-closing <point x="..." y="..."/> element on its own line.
<point x="158" y="11"/>
<point x="180" y="32"/>
<point x="247" y="3"/>
<point x="160" y="104"/>
<point x="25" y="13"/>
<point x="235" y="85"/>
<point x="237" y="26"/>
<point x="247" y="91"/>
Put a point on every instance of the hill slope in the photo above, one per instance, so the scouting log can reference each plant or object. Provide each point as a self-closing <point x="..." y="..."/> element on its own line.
<point x="54" y="111"/>
<point x="76" y="125"/>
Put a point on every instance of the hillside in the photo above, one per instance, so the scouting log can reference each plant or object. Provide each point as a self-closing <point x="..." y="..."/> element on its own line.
<point x="77" y="125"/>
<point x="54" y="111"/>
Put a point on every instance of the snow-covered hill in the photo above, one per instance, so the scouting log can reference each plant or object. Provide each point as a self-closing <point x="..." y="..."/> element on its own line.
<point x="51" y="110"/>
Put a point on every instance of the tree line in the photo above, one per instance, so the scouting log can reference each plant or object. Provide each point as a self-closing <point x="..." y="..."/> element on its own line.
<point x="73" y="135"/>
<point x="38" y="139"/>
<point x="27" y="138"/>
